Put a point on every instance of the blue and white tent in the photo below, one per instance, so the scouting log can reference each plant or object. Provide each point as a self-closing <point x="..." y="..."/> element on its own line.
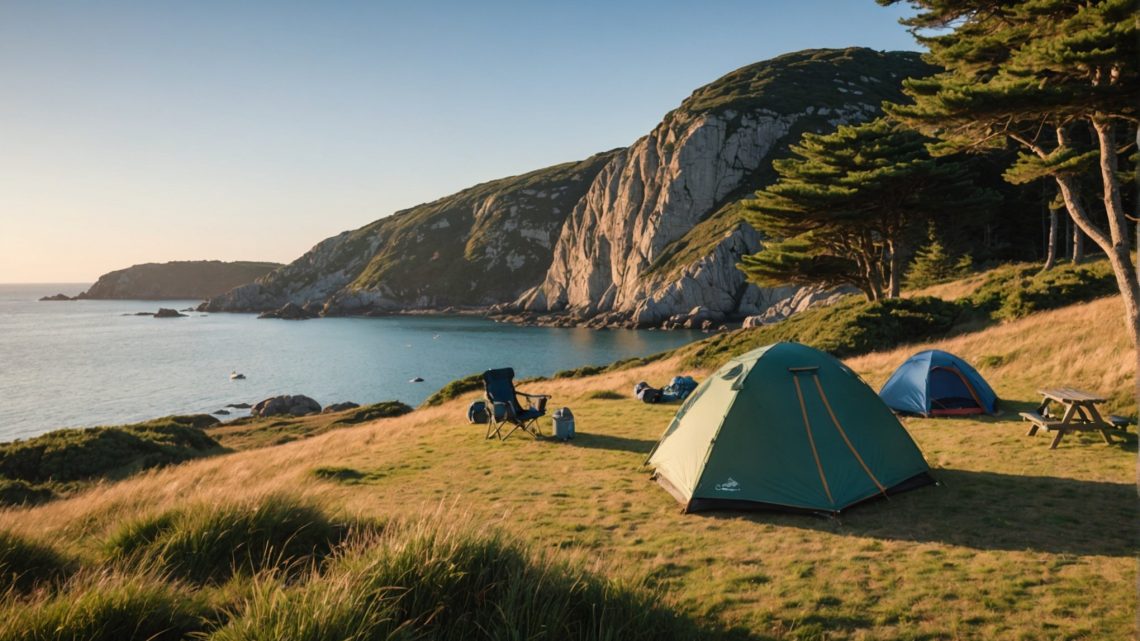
<point x="937" y="383"/>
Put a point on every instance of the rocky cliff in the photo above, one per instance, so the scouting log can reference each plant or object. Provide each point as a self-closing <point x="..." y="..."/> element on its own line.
<point x="647" y="235"/>
<point x="179" y="280"/>
<point x="484" y="245"/>
<point x="657" y="237"/>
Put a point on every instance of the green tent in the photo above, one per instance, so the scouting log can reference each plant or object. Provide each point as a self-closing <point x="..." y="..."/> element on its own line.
<point x="787" y="427"/>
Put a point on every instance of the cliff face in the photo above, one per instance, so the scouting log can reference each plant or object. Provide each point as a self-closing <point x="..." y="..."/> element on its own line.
<point x="481" y="246"/>
<point x="177" y="280"/>
<point x="658" y="233"/>
<point x="641" y="236"/>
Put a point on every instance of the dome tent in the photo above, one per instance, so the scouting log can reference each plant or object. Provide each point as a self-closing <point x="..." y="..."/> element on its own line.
<point x="937" y="383"/>
<point x="787" y="427"/>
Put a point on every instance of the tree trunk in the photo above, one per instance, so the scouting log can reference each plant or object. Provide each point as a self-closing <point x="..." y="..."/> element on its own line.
<point x="1078" y="252"/>
<point x="1051" y="244"/>
<point x="1116" y="243"/>
<point x="894" y="284"/>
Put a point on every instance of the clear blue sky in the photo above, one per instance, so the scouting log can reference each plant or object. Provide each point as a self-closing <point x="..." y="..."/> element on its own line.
<point x="162" y="130"/>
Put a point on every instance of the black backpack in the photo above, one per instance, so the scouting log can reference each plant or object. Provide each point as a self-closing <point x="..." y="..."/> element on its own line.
<point x="477" y="412"/>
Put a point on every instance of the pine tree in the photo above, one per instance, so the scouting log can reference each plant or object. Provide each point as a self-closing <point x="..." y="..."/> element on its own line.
<point x="933" y="264"/>
<point x="845" y="203"/>
<point x="1035" y="73"/>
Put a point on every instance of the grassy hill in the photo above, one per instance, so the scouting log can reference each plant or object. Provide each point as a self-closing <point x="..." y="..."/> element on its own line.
<point x="1018" y="542"/>
<point x="188" y="279"/>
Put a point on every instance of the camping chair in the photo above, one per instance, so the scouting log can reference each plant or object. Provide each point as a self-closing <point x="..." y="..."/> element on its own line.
<point x="504" y="407"/>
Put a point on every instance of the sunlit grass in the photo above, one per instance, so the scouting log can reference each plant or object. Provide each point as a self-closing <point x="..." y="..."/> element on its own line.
<point x="1018" y="541"/>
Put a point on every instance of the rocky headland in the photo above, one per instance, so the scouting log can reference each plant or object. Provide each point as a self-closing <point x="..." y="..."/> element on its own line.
<point x="178" y="280"/>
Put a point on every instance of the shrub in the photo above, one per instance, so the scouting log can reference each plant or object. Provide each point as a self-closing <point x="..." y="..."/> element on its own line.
<point x="428" y="582"/>
<point x="605" y="395"/>
<point x="616" y="366"/>
<point x="1016" y="292"/>
<point x="850" y="327"/>
<point x="25" y="564"/>
<point x="110" y="608"/>
<point x="385" y="409"/>
<point x="455" y="389"/>
<point x="209" y="544"/>
<point x="16" y="492"/>
<point x="82" y="454"/>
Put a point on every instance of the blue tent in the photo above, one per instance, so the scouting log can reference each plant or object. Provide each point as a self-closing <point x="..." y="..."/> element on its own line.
<point x="936" y="383"/>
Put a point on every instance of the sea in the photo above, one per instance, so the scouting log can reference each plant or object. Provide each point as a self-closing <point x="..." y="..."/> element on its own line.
<point x="84" y="363"/>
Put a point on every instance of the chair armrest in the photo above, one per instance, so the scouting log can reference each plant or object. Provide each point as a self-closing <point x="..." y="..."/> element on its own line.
<point x="532" y="395"/>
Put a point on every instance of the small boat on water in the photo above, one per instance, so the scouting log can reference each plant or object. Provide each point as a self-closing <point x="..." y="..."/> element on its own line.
<point x="235" y="376"/>
<point x="416" y="380"/>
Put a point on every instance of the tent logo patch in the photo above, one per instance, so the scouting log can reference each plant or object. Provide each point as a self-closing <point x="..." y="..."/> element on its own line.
<point x="728" y="486"/>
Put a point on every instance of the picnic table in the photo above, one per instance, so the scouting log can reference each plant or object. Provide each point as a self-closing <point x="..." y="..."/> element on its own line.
<point x="1078" y="413"/>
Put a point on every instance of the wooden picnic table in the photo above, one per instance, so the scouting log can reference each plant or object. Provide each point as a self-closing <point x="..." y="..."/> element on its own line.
<point x="1078" y="414"/>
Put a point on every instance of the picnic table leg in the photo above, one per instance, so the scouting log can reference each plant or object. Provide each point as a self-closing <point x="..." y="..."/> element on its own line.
<point x="1032" y="429"/>
<point x="1070" y="410"/>
<point x="1057" y="439"/>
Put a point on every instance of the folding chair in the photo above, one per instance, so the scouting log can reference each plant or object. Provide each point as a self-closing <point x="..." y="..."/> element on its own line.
<point x="504" y="408"/>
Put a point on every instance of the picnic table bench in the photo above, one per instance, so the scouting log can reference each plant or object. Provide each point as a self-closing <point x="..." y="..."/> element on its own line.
<point x="1079" y="413"/>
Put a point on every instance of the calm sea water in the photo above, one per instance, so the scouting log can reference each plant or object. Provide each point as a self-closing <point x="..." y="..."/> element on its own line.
<point x="83" y="363"/>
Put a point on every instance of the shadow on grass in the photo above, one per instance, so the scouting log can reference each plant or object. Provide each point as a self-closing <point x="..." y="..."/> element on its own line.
<point x="608" y="442"/>
<point x="991" y="511"/>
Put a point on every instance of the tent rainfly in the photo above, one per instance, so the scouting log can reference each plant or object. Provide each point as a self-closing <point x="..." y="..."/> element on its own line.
<point x="785" y="427"/>
<point x="937" y="383"/>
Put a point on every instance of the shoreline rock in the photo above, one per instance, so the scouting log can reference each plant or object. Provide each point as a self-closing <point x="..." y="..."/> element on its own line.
<point x="290" y="311"/>
<point x="286" y="405"/>
<point x="58" y="297"/>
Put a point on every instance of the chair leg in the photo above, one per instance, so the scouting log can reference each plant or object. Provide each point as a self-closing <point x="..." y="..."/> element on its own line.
<point x="494" y="428"/>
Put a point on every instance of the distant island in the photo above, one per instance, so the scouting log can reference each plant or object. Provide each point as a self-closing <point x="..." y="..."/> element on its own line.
<point x="190" y="279"/>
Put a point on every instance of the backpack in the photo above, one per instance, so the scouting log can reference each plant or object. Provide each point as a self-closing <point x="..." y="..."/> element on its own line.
<point x="647" y="394"/>
<point x="477" y="412"/>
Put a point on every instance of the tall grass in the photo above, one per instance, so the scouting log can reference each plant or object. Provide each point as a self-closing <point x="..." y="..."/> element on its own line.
<point x="428" y="581"/>
<point x="209" y="544"/>
<point x="108" y="607"/>
<point x="26" y="564"/>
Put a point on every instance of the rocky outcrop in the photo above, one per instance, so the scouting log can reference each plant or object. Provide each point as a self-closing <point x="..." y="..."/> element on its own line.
<point x="340" y="407"/>
<point x="298" y="405"/>
<point x="802" y="299"/>
<point x="166" y="312"/>
<point x="57" y="297"/>
<point x="659" y="233"/>
<point x="290" y="311"/>
<point x="198" y="279"/>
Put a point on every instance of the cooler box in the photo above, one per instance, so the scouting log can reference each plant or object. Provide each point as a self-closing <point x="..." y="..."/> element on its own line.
<point x="563" y="424"/>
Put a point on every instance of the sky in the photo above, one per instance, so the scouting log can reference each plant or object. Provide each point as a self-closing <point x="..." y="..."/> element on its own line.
<point x="135" y="132"/>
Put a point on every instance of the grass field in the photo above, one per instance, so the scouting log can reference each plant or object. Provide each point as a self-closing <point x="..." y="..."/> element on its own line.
<point x="1018" y="542"/>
